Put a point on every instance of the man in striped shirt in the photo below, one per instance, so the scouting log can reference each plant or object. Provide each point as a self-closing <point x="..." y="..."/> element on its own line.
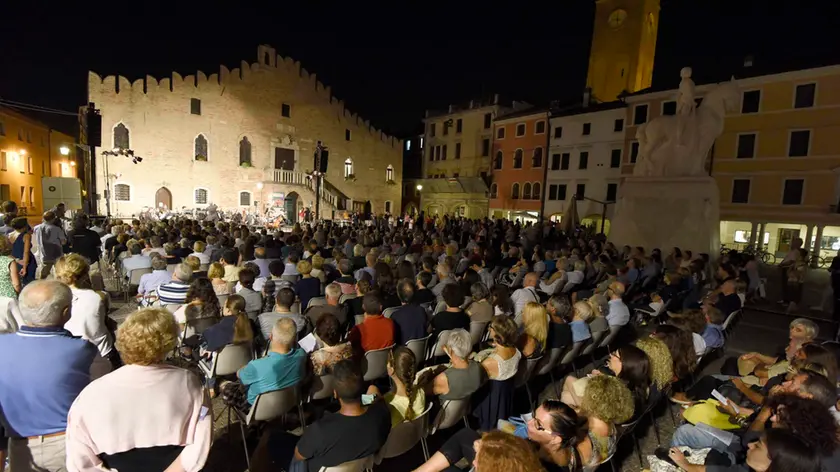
<point x="175" y="292"/>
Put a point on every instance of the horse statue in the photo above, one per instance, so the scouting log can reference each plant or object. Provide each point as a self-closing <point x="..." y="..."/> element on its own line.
<point x="678" y="145"/>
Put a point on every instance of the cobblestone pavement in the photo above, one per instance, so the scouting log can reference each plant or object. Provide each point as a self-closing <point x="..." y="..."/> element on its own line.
<point x="765" y="323"/>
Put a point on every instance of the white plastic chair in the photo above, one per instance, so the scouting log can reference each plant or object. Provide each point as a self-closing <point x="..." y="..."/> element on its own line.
<point x="376" y="363"/>
<point x="405" y="436"/>
<point x="477" y="329"/>
<point x="524" y="374"/>
<point x="451" y="412"/>
<point x="390" y="311"/>
<point x="316" y="301"/>
<point x="322" y="387"/>
<point x="134" y="279"/>
<point x="418" y="347"/>
<point x="267" y="406"/>
<point x="345" y="297"/>
<point x="229" y="360"/>
<point x="437" y="349"/>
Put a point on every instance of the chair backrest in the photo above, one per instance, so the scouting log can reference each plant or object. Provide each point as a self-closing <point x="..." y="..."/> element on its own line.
<point x="231" y="358"/>
<point x="171" y="267"/>
<point x="569" y="287"/>
<point x="439" y="307"/>
<point x="609" y="338"/>
<point x="526" y="368"/>
<point x="548" y="363"/>
<point x="376" y="362"/>
<point x="322" y="387"/>
<point x="316" y="301"/>
<point x="451" y="412"/>
<point x="405" y="436"/>
<point x="290" y="278"/>
<point x="203" y="267"/>
<point x="346" y="296"/>
<point x="134" y="275"/>
<point x="359" y="319"/>
<point x="437" y="351"/>
<point x="273" y="405"/>
<point x="418" y="347"/>
<point x="390" y="311"/>
<point x="727" y="324"/>
<point x="572" y="353"/>
<point x="357" y="465"/>
<point x="594" y="343"/>
<point x="477" y="329"/>
<point x="171" y="307"/>
<point x="428" y="307"/>
<point x="222" y="300"/>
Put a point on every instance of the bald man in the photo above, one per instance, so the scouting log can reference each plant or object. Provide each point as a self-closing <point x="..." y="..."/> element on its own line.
<point x="526" y="294"/>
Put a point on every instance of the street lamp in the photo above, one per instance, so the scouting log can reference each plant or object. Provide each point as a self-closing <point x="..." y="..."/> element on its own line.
<point x="419" y="187"/>
<point x="64" y="150"/>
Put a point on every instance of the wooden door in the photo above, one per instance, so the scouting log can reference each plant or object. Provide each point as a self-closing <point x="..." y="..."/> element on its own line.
<point x="164" y="196"/>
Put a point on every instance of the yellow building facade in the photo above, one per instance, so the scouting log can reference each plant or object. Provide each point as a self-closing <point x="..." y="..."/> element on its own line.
<point x="623" y="47"/>
<point x="30" y="150"/>
<point x="777" y="162"/>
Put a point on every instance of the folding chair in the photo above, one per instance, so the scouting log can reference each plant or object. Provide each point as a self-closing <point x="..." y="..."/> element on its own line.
<point x="477" y="329"/>
<point x="316" y="301"/>
<point x="228" y="361"/>
<point x="451" y="412"/>
<point x="134" y="280"/>
<point x="524" y="373"/>
<point x="405" y="436"/>
<point x="267" y="406"/>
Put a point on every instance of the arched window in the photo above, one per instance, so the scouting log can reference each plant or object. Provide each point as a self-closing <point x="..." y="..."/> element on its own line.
<point x="537" y="159"/>
<point x="514" y="193"/>
<point x="201" y="148"/>
<point x="526" y="191"/>
<point x="517" y="159"/>
<point x="244" y="198"/>
<point x="494" y="190"/>
<point x="497" y="164"/>
<point x="121" y="137"/>
<point x="348" y="167"/>
<point x="536" y="191"/>
<point x="201" y="196"/>
<point x="245" y="152"/>
<point x="122" y="193"/>
<point x="389" y="173"/>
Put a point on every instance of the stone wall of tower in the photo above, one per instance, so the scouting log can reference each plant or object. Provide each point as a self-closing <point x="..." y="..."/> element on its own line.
<point x="236" y="103"/>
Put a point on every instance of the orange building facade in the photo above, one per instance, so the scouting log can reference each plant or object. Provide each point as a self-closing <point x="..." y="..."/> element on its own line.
<point x="520" y="142"/>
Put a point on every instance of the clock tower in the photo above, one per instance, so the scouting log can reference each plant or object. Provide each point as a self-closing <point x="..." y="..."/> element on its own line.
<point x="623" y="47"/>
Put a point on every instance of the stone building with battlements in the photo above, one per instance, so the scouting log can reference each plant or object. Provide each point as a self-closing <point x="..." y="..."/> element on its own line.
<point x="242" y="139"/>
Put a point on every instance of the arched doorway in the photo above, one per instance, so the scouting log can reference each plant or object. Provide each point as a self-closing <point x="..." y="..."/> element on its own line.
<point x="290" y="206"/>
<point x="367" y="210"/>
<point x="163" y="196"/>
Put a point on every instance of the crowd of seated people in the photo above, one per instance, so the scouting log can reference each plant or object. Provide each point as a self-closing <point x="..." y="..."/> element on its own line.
<point x="437" y="280"/>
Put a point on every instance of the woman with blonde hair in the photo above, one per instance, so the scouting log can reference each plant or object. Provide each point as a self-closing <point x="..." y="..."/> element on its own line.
<point x="534" y="330"/>
<point x="606" y="403"/>
<point x="165" y="417"/>
<point x="318" y="268"/>
<point x="307" y="287"/>
<point x="661" y="363"/>
<point x="599" y="305"/>
<point x="216" y="274"/>
<point x="10" y="282"/>
<point x="582" y="313"/>
<point x="88" y="312"/>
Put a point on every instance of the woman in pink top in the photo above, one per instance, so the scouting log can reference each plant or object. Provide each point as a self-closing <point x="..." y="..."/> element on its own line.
<point x="145" y="416"/>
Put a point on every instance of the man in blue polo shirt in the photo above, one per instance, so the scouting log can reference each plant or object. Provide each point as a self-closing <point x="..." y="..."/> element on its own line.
<point x="42" y="370"/>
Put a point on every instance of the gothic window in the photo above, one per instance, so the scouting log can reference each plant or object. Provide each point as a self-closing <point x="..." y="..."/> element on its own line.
<point x="121" y="138"/>
<point x="517" y="159"/>
<point x="514" y="194"/>
<point x="201" y="148"/>
<point x="348" y="167"/>
<point x="497" y="164"/>
<point x="526" y="191"/>
<point x="537" y="158"/>
<point x="245" y="151"/>
<point x="535" y="191"/>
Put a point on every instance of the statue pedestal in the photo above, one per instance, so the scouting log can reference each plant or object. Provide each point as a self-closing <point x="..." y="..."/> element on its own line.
<point x="666" y="212"/>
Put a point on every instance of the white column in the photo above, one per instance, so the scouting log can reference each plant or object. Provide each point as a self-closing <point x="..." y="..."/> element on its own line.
<point x="753" y="232"/>
<point x="760" y="242"/>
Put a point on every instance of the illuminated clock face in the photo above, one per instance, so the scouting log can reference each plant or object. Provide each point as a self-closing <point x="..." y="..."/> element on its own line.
<point x="617" y="18"/>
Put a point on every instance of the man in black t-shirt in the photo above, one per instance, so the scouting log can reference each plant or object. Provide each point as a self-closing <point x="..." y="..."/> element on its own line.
<point x="453" y="317"/>
<point x="355" y="432"/>
<point x="560" y="311"/>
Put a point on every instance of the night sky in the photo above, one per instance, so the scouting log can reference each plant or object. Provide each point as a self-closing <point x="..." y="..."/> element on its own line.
<point x="389" y="64"/>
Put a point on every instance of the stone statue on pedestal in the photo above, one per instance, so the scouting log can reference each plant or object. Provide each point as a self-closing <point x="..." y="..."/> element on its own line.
<point x="678" y="145"/>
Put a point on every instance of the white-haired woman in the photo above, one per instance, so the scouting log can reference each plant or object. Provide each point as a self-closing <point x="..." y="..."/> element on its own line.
<point x="165" y="418"/>
<point x="464" y="376"/>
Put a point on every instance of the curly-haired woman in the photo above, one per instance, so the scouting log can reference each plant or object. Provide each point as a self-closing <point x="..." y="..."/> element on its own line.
<point x="165" y="420"/>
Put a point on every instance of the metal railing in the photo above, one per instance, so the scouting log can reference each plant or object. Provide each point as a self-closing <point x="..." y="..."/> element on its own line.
<point x="291" y="177"/>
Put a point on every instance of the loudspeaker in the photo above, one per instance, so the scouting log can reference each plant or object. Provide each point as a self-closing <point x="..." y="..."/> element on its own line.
<point x="94" y="128"/>
<point x="325" y="156"/>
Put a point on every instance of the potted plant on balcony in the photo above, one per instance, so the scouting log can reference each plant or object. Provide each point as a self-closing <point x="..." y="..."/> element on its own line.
<point x="350" y="178"/>
<point x="245" y="165"/>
